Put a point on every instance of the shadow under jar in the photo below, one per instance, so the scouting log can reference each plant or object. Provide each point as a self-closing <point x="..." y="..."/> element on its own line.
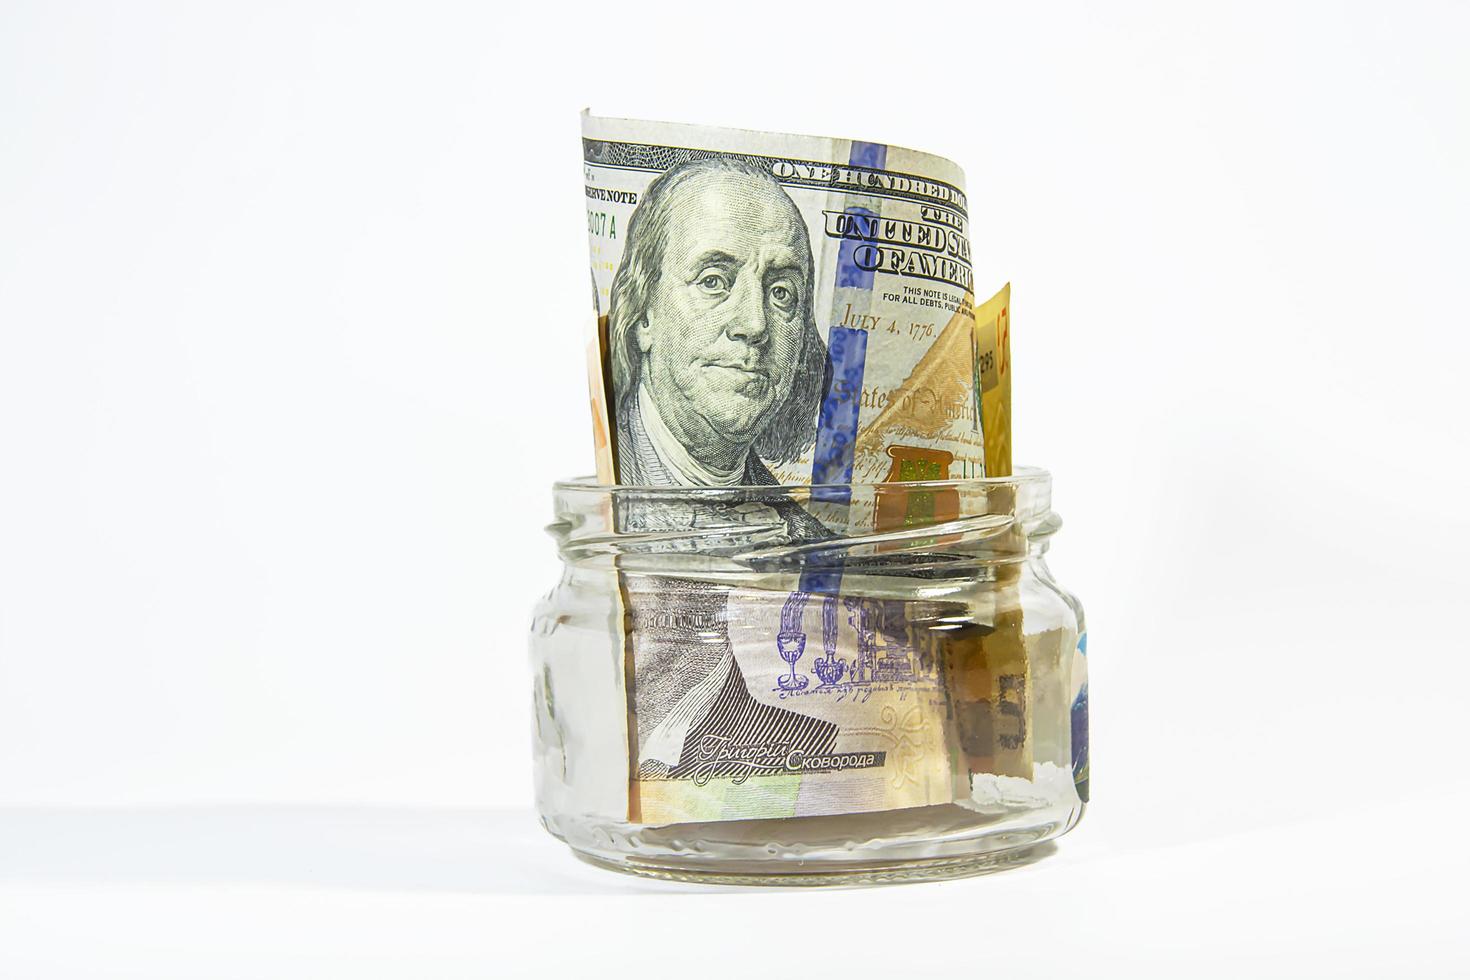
<point x="809" y="685"/>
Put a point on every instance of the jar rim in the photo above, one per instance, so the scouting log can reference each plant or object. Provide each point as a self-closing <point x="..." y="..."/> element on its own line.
<point x="1024" y="476"/>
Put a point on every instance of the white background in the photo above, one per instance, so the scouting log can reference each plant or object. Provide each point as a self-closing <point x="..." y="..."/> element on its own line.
<point x="292" y="300"/>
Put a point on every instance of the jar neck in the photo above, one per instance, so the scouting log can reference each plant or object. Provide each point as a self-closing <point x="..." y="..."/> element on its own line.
<point x="929" y="527"/>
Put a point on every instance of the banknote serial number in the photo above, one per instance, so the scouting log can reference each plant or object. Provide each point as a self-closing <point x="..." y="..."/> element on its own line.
<point x="602" y="224"/>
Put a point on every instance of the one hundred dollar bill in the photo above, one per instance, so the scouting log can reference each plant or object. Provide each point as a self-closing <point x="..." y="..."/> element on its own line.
<point x="780" y="309"/>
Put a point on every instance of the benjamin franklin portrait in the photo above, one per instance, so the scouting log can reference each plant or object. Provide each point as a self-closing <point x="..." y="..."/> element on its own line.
<point x="716" y="360"/>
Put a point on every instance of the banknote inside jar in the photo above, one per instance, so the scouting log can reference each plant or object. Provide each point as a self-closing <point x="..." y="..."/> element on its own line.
<point x="778" y="310"/>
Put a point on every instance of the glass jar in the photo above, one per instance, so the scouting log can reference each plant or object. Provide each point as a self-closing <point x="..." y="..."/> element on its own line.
<point x="805" y="685"/>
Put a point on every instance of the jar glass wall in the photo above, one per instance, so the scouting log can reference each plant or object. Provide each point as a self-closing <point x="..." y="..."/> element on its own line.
<point x="809" y="684"/>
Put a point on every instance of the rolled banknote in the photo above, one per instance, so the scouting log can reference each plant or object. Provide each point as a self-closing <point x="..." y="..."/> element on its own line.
<point x="780" y="309"/>
<point x="776" y="309"/>
<point x="989" y="665"/>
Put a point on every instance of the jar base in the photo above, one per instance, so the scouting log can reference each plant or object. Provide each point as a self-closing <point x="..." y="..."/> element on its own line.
<point x="831" y="873"/>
